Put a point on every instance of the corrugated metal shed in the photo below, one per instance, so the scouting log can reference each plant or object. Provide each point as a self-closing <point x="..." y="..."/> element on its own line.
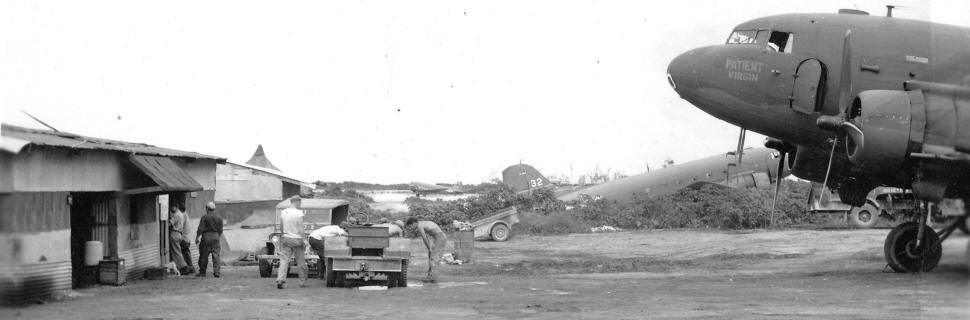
<point x="74" y="141"/>
<point x="165" y="173"/>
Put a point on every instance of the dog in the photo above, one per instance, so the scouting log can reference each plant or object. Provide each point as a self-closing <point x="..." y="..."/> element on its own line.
<point x="172" y="268"/>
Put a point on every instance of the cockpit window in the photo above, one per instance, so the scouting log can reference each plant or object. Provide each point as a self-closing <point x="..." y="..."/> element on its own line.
<point x="743" y="37"/>
<point x="781" y="41"/>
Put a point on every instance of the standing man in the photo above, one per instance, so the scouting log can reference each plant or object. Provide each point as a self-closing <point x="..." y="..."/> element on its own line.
<point x="292" y="242"/>
<point x="176" y="222"/>
<point x="186" y="249"/>
<point x="209" y="231"/>
<point x="434" y="239"/>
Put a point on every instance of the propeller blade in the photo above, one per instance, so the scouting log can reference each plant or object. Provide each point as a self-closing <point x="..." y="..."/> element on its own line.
<point x="811" y="193"/>
<point x="778" y="174"/>
<point x="826" y="194"/>
<point x="823" y="198"/>
<point x="781" y="167"/>
<point x="741" y="139"/>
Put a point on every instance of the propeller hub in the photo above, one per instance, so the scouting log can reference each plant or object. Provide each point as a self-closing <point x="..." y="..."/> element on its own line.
<point x="830" y="123"/>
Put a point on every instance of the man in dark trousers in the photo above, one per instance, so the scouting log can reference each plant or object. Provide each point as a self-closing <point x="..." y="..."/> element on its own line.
<point x="209" y="231"/>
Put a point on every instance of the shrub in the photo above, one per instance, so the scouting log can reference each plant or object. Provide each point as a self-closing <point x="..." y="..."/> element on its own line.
<point x="534" y="222"/>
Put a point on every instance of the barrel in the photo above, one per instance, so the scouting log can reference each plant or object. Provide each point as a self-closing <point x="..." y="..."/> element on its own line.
<point x="93" y="252"/>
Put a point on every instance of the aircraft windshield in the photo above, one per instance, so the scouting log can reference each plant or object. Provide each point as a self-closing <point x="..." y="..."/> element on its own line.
<point x="744" y="37"/>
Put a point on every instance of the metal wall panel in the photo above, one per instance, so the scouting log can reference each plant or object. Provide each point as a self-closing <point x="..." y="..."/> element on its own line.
<point x="138" y="260"/>
<point x="23" y="283"/>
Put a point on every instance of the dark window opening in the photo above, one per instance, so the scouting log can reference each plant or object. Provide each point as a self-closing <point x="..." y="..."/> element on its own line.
<point x="781" y="41"/>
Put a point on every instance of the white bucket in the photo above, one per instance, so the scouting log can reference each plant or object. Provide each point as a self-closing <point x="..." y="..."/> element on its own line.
<point x="93" y="252"/>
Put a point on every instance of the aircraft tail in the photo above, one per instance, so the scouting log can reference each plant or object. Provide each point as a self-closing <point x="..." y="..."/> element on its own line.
<point x="523" y="177"/>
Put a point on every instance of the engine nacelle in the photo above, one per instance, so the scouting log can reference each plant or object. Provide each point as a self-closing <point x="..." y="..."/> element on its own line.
<point x="879" y="129"/>
<point x="811" y="164"/>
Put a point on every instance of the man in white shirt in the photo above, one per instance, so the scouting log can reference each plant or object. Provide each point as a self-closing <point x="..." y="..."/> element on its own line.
<point x="292" y="242"/>
<point x="316" y="240"/>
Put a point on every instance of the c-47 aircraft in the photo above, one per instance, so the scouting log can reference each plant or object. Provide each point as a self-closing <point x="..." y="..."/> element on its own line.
<point x="858" y="101"/>
<point x="423" y="188"/>
<point x="758" y="167"/>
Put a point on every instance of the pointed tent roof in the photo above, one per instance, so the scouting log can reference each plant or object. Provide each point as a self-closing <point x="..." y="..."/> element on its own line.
<point x="259" y="159"/>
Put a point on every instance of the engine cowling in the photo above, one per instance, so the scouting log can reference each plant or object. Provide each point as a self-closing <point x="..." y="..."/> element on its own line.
<point x="879" y="130"/>
<point x="810" y="164"/>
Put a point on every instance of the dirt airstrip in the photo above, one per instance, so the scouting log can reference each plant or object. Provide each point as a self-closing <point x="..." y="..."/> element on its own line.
<point x="828" y="274"/>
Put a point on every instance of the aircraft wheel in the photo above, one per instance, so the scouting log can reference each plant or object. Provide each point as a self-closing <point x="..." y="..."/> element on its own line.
<point x="265" y="268"/>
<point x="500" y="232"/>
<point x="904" y="256"/>
<point x="864" y="217"/>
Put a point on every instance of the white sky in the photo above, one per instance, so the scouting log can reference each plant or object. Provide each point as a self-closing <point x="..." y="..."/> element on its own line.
<point x="384" y="91"/>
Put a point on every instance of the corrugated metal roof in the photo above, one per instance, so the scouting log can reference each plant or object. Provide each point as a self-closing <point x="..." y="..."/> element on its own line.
<point x="315" y="203"/>
<point x="74" y="141"/>
<point x="270" y="172"/>
<point x="165" y="173"/>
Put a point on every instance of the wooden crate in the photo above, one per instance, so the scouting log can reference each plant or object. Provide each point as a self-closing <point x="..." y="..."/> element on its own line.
<point x="368" y="237"/>
<point x="112" y="272"/>
<point x="464" y="245"/>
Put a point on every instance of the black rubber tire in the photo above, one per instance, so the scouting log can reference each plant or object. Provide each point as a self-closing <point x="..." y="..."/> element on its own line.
<point x="339" y="279"/>
<point x="313" y="272"/>
<point x="402" y="280"/>
<point x="392" y="279"/>
<point x="864" y="217"/>
<point x="265" y="268"/>
<point x="328" y="274"/>
<point x="901" y="254"/>
<point x="967" y="257"/>
<point x="962" y="225"/>
<point x="500" y="232"/>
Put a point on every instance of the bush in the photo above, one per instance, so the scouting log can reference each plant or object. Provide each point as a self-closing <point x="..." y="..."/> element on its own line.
<point x="705" y="207"/>
<point x="555" y="223"/>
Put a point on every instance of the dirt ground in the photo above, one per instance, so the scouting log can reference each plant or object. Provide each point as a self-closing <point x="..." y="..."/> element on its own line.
<point x="830" y="274"/>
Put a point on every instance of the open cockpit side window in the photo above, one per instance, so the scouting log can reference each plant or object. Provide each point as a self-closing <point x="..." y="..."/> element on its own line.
<point x="781" y="41"/>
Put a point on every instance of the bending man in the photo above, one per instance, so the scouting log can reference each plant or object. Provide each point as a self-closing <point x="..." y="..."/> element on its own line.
<point x="434" y="239"/>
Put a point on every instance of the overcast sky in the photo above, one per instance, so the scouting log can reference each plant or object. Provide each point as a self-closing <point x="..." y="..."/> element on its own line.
<point x="384" y="91"/>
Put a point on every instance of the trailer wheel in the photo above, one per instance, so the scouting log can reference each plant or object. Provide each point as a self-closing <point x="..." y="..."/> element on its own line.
<point x="500" y="232"/>
<point x="328" y="274"/>
<point x="265" y="268"/>
<point x="864" y="217"/>
<point x="904" y="256"/>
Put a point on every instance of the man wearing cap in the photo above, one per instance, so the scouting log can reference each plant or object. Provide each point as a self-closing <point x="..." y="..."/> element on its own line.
<point x="209" y="232"/>
<point x="292" y="242"/>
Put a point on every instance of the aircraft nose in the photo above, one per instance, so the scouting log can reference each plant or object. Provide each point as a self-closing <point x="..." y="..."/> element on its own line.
<point x="681" y="72"/>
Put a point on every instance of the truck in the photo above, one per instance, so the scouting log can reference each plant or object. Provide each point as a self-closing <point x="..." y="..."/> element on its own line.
<point x="889" y="205"/>
<point x="366" y="255"/>
<point x="318" y="213"/>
